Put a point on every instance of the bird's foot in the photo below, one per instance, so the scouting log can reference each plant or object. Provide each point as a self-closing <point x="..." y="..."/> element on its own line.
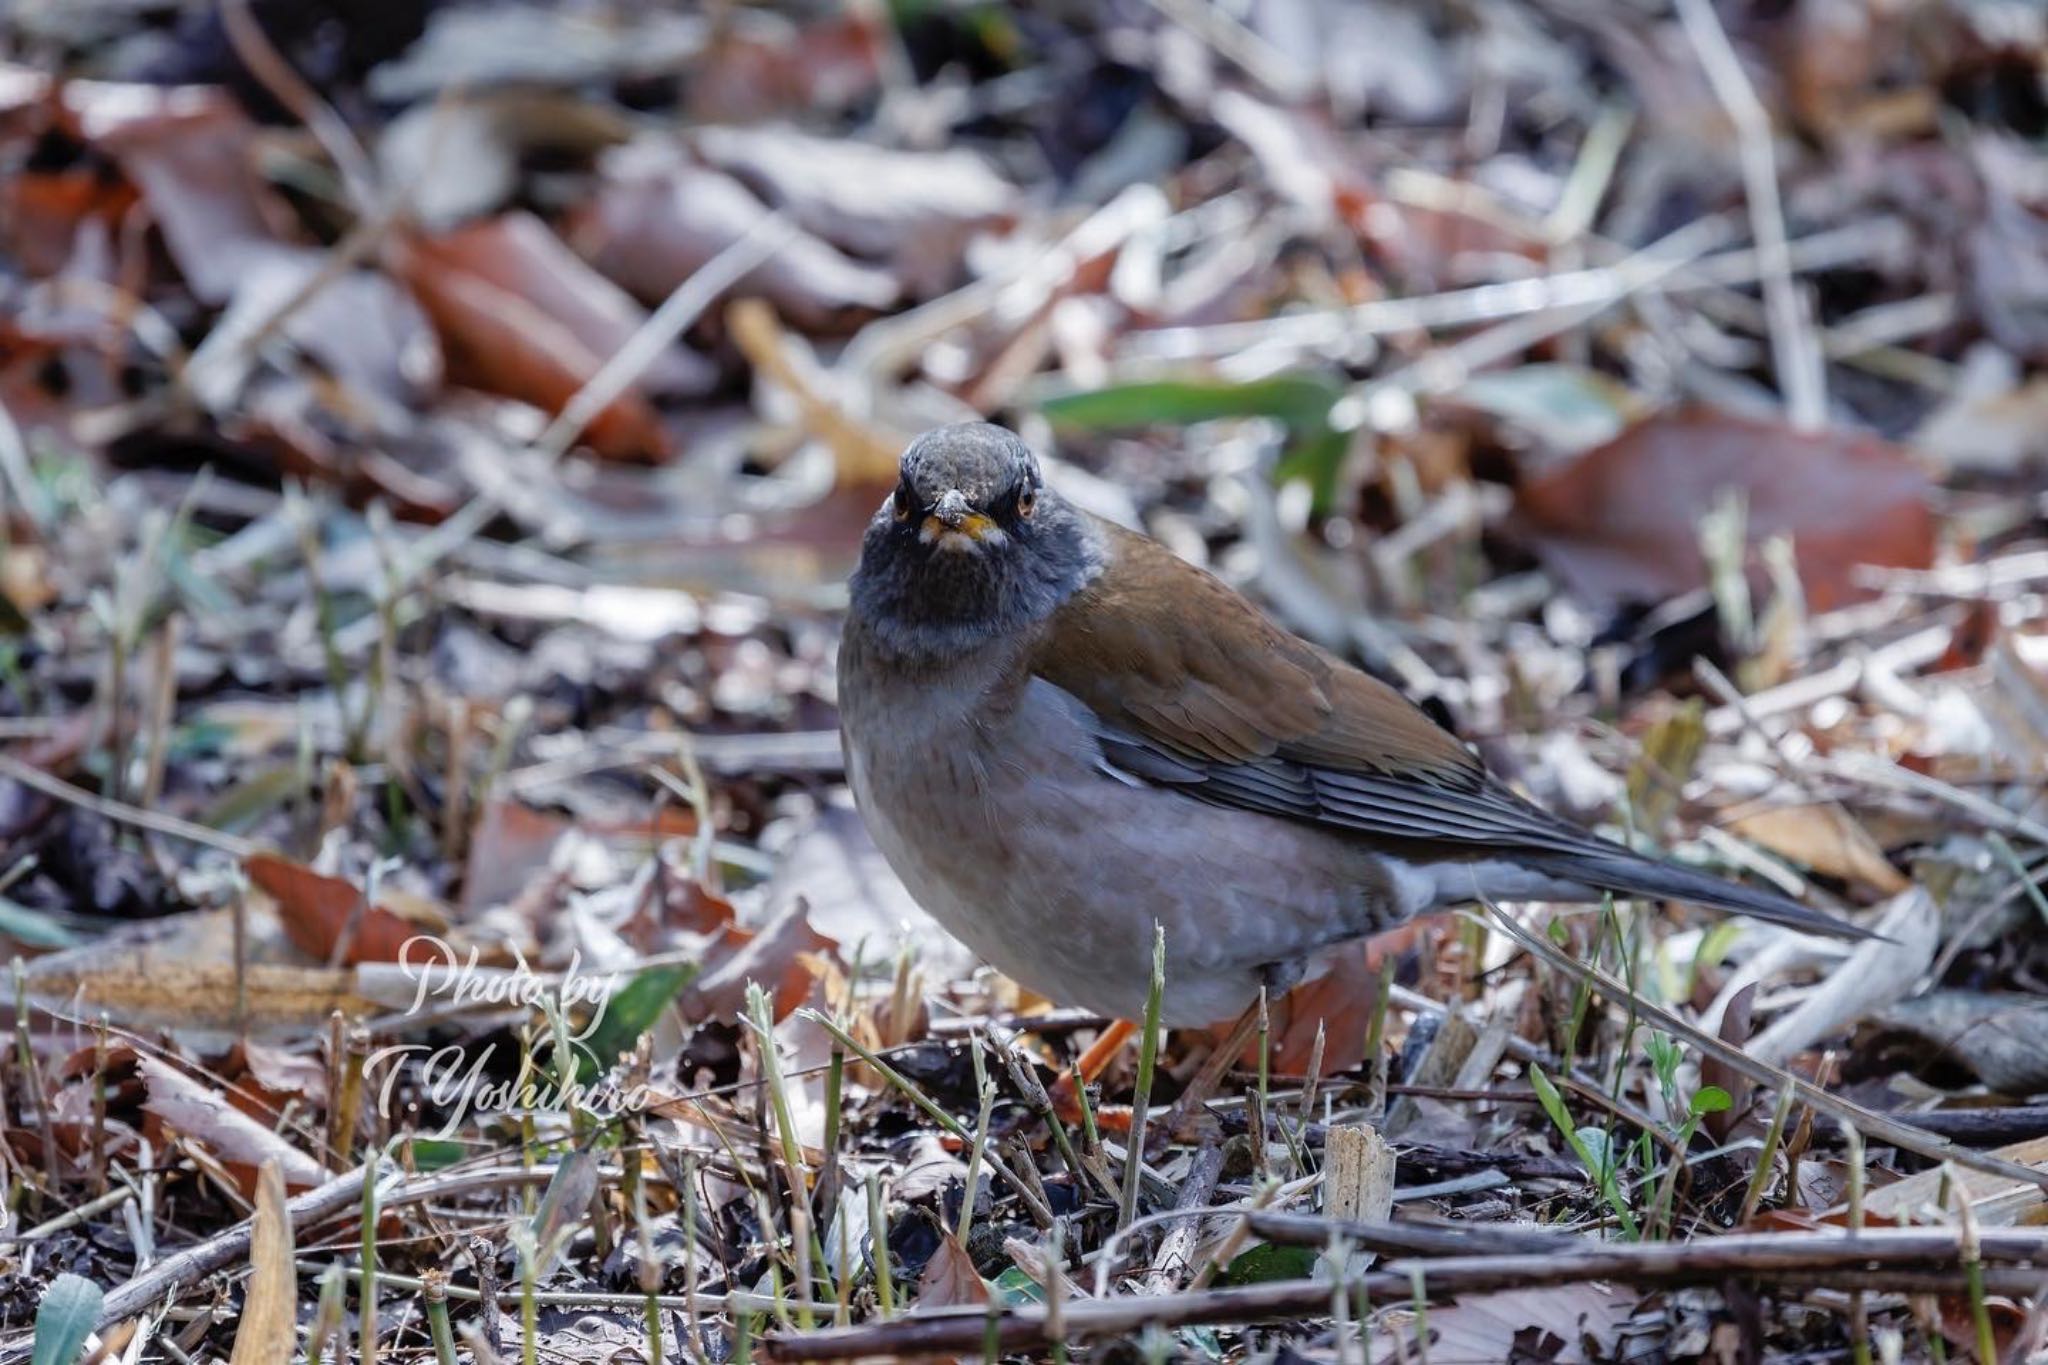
<point x="1066" y="1091"/>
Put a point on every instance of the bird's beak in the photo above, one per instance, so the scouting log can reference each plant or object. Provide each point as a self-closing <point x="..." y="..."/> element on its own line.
<point x="954" y="524"/>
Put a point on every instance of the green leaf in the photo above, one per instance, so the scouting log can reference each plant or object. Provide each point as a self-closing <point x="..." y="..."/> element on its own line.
<point x="1269" y="1262"/>
<point x="1589" y="1145"/>
<point x="630" y="1012"/>
<point x="438" y="1154"/>
<point x="1302" y="401"/>
<point x="65" y="1318"/>
<point x="1712" y="1099"/>
<point x="1664" y="1057"/>
<point x="33" y="927"/>
<point x="1714" y="946"/>
<point x="1593" y="1149"/>
<point x="1552" y="1102"/>
<point x="1015" y="1288"/>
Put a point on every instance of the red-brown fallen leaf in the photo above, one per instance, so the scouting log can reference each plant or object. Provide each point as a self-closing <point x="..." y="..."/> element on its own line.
<point x="1621" y="523"/>
<point x="315" y="909"/>
<point x="521" y="254"/>
<point x="1342" y="1000"/>
<point x="782" y="956"/>
<point x="498" y="341"/>
<point x="950" y="1279"/>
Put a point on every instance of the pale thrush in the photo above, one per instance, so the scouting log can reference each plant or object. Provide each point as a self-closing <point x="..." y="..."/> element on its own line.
<point x="1059" y="732"/>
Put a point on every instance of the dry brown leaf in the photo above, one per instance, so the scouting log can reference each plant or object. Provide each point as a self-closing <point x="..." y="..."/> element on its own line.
<point x="1621" y="523"/>
<point x="778" y="956"/>
<point x="267" y="1333"/>
<point x="200" y="1114"/>
<point x="1994" y="1200"/>
<point x="316" y="911"/>
<point x="1824" y="837"/>
<point x="179" y="975"/>
<point x="950" y="1279"/>
<point x="521" y="255"/>
<point x="657" y="218"/>
<point x="1341" y="1002"/>
<point x="500" y="342"/>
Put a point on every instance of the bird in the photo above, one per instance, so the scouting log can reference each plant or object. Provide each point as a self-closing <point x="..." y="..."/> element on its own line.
<point x="1060" y="734"/>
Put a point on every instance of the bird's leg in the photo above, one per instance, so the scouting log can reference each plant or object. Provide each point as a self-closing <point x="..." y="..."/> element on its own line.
<point x="1204" y="1085"/>
<point x="1276" y="979"/>
<point x="1066" y="1101"/>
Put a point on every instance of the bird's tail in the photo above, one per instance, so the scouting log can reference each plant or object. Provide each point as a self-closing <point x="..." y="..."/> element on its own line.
<point x="1626" y="874"/>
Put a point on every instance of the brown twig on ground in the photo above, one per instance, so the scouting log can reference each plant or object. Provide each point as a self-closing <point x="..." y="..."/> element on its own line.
<point x="1983" y="1127"/>
<point x="1411" y="1239"/>
<point x="1883" y="1259"/>
<point x="186" y="1267"/>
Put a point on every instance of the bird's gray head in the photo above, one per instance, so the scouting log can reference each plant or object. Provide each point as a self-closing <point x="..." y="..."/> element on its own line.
<point x="969" y="547"/>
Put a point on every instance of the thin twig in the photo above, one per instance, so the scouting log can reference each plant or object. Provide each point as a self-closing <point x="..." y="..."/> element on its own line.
<point x="1795" y="349"/>
<point x="1875" y="1260"/>
<point x="188" y="1267"/>
<point x="681" y="308"/>
<point x="120" y="812"/>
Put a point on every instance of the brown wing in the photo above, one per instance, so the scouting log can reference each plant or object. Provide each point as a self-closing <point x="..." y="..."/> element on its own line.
<point x="1213" y="699"/>
<point x="1215" y="682"/>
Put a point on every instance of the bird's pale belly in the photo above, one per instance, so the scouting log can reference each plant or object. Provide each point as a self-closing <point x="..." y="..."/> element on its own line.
<point x="1055" y="870"/>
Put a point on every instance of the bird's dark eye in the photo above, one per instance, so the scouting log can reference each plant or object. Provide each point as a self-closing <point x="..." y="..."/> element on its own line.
<point x="1027" y="502"/>
<point x="904" y="504"/>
